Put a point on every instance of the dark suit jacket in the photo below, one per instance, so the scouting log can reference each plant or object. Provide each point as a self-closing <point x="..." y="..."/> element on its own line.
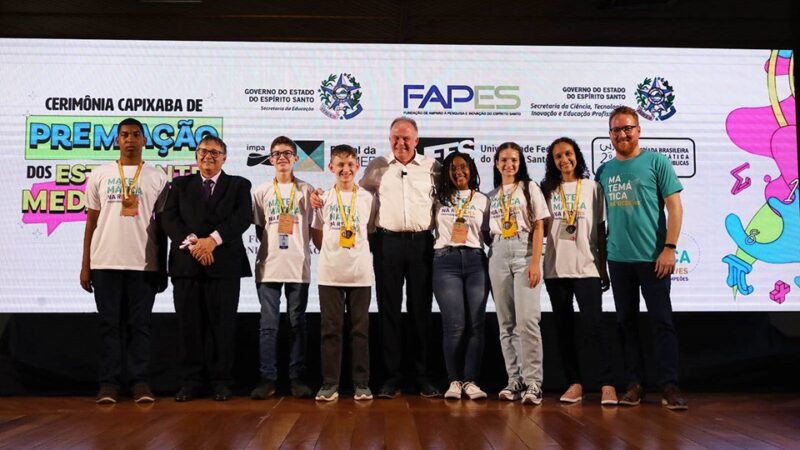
<point x="229" y="211"/>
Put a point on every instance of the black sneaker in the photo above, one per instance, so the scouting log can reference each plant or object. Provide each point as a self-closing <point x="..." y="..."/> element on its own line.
<point x="107" y="395"/>
<point x="673" y="399"/>
<point x="142" y="394"/>
<point x="390" y="389"/>
<point x="264" y="389"/>
<point x="300" y="389"/>
<point x="428" y="389"/>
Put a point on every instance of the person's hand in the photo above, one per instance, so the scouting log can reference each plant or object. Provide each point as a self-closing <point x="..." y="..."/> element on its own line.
<point x="203" y="250"/>
<point x="86" y="279"/>
<point x="316" y="198"/>
<point x="534" y="275"/>
<point x="605" y="281"/>
<point x="206" y="260"/>
<point x="665" y="264"/>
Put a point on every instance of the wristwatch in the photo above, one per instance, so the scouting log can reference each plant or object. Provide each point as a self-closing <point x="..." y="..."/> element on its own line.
<point x="672" y="246"/>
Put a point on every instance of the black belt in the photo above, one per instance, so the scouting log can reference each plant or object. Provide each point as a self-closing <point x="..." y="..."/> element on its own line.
<point x="405" y="234"/>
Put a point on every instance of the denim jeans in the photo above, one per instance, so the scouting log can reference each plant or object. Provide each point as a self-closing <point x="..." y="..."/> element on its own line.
<point x="461" y="287"/>
<point x="626" y="280"/>
<point x="124" y="300"/>
<point x="269" y="295"/>
<point x="518" y="309"/>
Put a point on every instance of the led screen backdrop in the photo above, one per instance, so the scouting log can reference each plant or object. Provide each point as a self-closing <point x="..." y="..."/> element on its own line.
<point x="726" y="119"/>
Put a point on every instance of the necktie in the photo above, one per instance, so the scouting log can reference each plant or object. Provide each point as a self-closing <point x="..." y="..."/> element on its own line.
<point x="208" y="185"/>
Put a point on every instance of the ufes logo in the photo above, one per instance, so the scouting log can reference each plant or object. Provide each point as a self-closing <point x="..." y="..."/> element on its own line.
<point x="420" y="96"/>
<point x="440" y="147"/>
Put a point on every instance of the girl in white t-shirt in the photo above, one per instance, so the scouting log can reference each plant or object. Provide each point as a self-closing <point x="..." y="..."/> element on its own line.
<point x="517" y="230"/>
<point x="575" y="263"/>
<point x="460" y="281"/>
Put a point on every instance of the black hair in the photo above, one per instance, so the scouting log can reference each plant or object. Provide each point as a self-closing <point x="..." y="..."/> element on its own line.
<point x="133" y="122"/>
<point x="552" y="175"/>
<point x="446" y="188"/>
<point x="208" y="137"/>
<point x="521" y="175"/>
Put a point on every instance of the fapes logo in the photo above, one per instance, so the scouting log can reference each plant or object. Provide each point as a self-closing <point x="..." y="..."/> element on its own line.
<point x="447" y="97"/>
<point x="440" y="147"/>
<point x="656" y="99"/>
<point x="340" y="97"/>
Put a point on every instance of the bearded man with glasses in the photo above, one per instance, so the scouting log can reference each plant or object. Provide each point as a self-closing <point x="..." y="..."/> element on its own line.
<point x="637" y="186"/>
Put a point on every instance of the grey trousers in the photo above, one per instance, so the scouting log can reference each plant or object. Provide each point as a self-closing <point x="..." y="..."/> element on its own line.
<point x="518" y="309"/>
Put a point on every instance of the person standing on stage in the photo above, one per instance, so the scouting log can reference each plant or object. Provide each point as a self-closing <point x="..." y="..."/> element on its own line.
<point x="637" y="186"/>
<point x="282" y="216"/>
<point x="120" y="261"/>
<point x="403" y="182"/>
<point x="516" y="224"/>
<point x="460" y="281"/>
<point x="205" y="216"/>
<point x="575" y="263"/>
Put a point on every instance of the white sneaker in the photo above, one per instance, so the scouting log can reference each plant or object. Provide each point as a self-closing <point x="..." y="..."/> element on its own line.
<point x="532" y="396"/>
<point x="513" y="391"/>
<point x="454" y="391"/>
<point x="473" y="391"/>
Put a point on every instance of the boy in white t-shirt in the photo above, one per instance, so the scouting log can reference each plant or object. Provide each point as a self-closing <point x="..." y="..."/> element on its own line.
<point x="282" y="215"/>
<point x="345" y="275"/>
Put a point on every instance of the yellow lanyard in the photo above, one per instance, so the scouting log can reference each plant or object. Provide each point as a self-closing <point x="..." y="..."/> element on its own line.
<point x="461" y="211"/>
<point x="570" y="216"/>
<point x="127" y="191"/>
<point x="290" y="205"/>
<point x="506" y="205"/>
<point x="347" y="219"/>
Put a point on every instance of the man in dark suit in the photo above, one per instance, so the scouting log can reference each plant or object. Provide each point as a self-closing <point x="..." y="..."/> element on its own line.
<point x="205" y="217"/>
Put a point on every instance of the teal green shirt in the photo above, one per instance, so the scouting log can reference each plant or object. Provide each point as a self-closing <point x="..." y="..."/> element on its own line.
<point x="634" y="190"/>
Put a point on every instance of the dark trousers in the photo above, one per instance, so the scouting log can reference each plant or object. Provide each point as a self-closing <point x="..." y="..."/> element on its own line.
<point x="206" y="309"/>
<point x="401" y="258"/>
<point x="332" y="303"/>
<point x="626" y="280"/>
<point x="124" y="300"/>
<point x="589" y="295"/>
<point x="461" y="286"/>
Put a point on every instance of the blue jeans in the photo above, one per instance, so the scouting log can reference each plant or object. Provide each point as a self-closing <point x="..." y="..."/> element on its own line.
<point x="626" y="279"/>
<point x="461" y="287"/>
<point x="269" y="295"/>
<point x="124" y="300"/>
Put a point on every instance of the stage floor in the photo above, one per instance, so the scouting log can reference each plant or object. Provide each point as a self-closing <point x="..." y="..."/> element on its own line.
<point x="713" y="421"/>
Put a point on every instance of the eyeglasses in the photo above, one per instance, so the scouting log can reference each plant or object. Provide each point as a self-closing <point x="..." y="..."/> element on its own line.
<point x="627" y="129"/>
<point x="212" y="153"/>
<point x="277" y="155"/>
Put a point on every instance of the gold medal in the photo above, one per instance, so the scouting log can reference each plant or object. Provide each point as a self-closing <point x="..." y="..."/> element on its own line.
<point x="508" y="228"/>
<point x="508" y="225"/>
<point x="570" y="217"/>
<point x="285" y="218"/>
<point x="458" y="235"/>
<point x="347" y="237"/>
<point x="130" y="201"/>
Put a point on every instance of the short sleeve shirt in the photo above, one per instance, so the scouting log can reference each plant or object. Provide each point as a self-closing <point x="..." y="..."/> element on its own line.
<point x="519" y="207"/>
<point x="273" y="263"/>
<point x="634" y="190"/>
<point x="124" y="242"/>
<point x="476" y="217"/>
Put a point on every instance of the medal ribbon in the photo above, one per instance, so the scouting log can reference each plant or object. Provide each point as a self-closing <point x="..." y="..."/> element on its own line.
<point x="280" y="200"/>
<point x="506" y="205"/>
<point x="570" y="216"/>
<point x="128" y="190"/>
<point x="347" y="220"/>
<point x="461" y="211"/>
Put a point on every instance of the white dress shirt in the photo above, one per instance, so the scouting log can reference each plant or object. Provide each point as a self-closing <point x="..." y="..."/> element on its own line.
<point x="405" y="192"/>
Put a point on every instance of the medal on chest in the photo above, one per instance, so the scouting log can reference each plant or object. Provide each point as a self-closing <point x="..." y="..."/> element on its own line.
<point x="347" y="234"/>
<point x="285" y="218"/>
<point x="458" y="235"/>
<point x="130" y="201"/>
<point x="508" y="223"/>
<point x="568" y="228"/>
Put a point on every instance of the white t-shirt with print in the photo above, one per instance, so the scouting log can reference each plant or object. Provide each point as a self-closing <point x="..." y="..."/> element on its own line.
<point x="476" y="217"/>
<point x="338" y="266"/>
<point x="124" y="242"/>
<point x="519" y="207"/>
<point x="274" y="264"/>
<point x="564" y="258"/>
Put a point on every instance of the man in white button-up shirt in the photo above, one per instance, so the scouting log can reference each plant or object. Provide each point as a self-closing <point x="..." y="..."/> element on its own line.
<point x="403" y="181"/>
